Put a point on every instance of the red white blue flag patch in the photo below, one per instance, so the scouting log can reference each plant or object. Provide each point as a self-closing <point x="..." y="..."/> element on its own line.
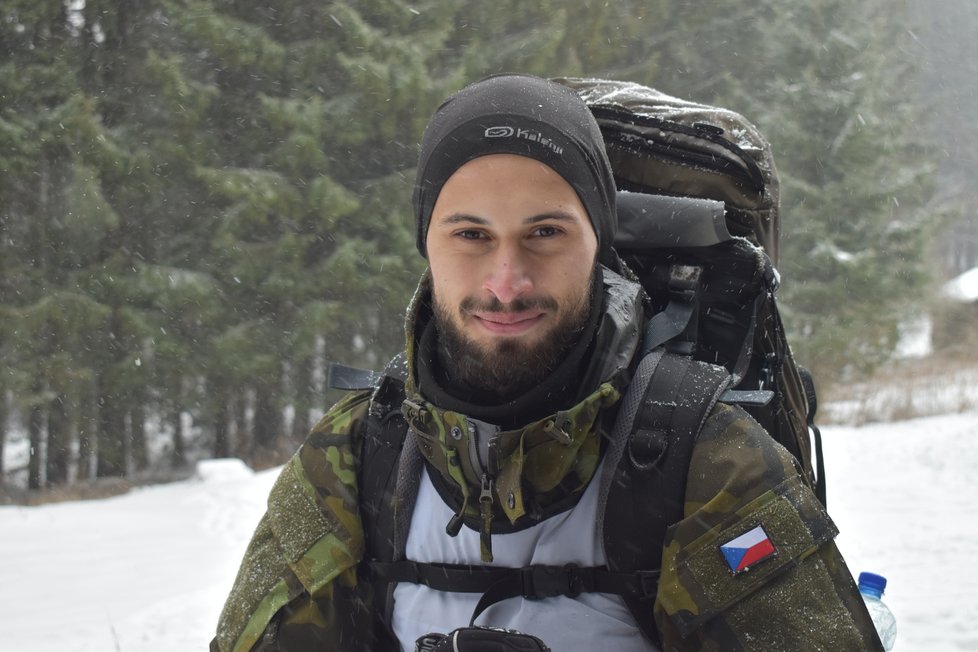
<point x="747" y="549"/>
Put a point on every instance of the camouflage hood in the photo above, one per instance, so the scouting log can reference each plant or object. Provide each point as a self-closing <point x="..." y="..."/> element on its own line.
<point x="502" y="480"/>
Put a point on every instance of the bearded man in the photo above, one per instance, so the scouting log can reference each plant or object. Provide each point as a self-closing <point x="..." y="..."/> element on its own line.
<point x="472" y="499"/>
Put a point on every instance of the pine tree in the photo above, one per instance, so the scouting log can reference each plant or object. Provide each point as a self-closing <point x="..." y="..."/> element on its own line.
<point x="43" y="114"/>
<point x="823" y="80"/>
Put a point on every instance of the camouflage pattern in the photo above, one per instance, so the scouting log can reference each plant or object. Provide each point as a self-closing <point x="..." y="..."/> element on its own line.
<point x="802" y="598"/>
<point x="546" y="461"/>
<point x="299" y="588"/>
<point x="301" y="563"/>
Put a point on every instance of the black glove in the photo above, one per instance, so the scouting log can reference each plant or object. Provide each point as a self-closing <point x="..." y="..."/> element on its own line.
<point x="480" y="639"/>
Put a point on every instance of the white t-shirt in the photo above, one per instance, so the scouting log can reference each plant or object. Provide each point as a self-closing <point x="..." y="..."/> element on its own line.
<point x="586" y="622"/>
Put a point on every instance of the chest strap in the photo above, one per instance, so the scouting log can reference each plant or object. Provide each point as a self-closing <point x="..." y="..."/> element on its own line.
<point x="536" y="582"/>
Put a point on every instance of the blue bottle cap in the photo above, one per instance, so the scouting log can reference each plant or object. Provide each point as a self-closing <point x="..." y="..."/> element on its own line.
<point x="873" y="582"/>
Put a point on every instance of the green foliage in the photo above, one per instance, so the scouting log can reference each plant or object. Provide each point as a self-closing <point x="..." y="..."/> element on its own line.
<point x="830" y="83"/>
<point x="201" y="201"/>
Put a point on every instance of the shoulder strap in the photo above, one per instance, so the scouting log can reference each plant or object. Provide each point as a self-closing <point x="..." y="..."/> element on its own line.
<point x="656" y="441"/>
<point x="379" y="461"/>
<point x="381" y="448"/>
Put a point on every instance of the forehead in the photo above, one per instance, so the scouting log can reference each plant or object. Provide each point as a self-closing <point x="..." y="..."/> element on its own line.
<point x="507" y="184"/>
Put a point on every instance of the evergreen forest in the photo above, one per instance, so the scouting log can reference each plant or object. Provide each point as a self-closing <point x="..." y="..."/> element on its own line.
<point x="202" y="202"/>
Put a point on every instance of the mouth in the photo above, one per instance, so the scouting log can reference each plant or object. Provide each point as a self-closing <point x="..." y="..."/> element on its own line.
<point x="508" y="323"/>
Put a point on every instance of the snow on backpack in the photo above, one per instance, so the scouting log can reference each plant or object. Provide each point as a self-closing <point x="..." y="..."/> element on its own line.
<point x="699" y="227"/>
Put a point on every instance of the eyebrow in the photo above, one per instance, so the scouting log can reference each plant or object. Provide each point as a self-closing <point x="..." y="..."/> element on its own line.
<point x="465" y="218"/>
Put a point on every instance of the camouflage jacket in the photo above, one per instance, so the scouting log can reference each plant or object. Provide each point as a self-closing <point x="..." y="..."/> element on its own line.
<point x="300" y="586"/>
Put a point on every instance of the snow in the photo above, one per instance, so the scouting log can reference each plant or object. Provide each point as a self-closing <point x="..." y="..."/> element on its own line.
<point x="963" y="288"/>
<point x="915" y="338"/>
<point x="902" y="494"/>
<point x="148" y="571"/>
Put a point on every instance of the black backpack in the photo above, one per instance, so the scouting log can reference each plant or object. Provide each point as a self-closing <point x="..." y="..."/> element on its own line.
<point x="699" y="227"/>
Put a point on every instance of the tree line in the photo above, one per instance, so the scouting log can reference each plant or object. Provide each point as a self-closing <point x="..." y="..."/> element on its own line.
<point x="203" y="201"/>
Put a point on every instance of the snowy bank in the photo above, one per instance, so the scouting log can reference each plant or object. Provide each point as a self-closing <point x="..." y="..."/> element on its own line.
<point x="148" y="571"/>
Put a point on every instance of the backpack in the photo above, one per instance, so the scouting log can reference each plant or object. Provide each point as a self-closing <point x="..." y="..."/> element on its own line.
<point x="698" y="228"/>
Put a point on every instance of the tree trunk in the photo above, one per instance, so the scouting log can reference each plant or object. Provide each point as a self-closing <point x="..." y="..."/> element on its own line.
<point x="4" y="415"/>
<point x="303" y="381"/>
<point x="59" y="442"/>
<point x="221" y="404"/>
<point x="111" y="437"/>
<point x="35" y="430"/>
<point x="267" y="419"/>
<point x="239" y="402"/>
<point x="179" y="456"/>
<point x="137" y="425"/>
<point x="87" y="427"/>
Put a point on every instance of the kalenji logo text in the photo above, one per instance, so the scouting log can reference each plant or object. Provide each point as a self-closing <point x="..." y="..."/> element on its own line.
<point x="525" y="134"/>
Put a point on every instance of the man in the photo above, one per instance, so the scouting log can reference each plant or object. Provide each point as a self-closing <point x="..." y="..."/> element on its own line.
<point x="521" y="342"/>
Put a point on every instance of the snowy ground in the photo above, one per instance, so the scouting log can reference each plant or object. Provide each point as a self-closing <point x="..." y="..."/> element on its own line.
<point x="148" y="571"/>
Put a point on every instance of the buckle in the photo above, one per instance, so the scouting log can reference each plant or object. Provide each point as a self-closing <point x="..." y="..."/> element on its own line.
<point x="648" y="584"/>
<point x="684" y="281"/>
<point x="550" y="581"/>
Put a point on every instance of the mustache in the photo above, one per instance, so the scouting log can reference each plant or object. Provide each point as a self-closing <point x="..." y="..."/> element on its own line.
<point x="520" y="304"/>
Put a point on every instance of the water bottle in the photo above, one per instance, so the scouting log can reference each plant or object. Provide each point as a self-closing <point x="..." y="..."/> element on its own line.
<point x="871" y="586"/>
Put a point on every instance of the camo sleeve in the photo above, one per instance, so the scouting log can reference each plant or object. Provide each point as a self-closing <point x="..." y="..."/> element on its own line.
<point x="753" y="565"/>
<point x="297" y="583"/>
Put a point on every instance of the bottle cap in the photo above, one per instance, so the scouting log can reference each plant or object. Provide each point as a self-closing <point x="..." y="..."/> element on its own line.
<point x="873" y="582"/>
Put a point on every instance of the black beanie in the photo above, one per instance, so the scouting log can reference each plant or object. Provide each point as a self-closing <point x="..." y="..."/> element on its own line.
<point x="524" y="115"/>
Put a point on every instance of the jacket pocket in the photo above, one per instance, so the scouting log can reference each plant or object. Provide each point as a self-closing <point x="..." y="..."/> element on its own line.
<point x="756" y="544"/>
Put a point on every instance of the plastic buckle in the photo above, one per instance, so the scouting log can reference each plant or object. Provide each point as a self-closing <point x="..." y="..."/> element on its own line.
<point x="648" y="584"/>
<point x="550" y="581"/>
<point x="684" y="281"/>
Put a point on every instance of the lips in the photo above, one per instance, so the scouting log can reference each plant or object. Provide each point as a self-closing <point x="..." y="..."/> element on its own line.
<point x="509" y="323"/>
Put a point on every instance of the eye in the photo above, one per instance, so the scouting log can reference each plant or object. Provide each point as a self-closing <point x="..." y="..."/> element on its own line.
<point x="547" y="231"/>
<point x="470" y="234"/>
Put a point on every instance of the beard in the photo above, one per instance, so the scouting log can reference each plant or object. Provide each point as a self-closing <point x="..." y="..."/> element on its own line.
<point x="503" y="368"/>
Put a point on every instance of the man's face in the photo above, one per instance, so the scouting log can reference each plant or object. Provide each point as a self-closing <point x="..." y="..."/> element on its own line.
<point x="512" y="256"/>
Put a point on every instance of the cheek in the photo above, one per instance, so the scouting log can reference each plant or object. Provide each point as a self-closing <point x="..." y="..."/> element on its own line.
<point x="449" y="281"/>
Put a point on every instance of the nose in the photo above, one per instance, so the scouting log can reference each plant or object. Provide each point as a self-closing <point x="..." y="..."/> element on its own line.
<point x="508" y="276"/>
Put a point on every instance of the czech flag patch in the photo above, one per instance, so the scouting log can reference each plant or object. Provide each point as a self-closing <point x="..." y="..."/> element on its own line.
<point x="747" y="549"/>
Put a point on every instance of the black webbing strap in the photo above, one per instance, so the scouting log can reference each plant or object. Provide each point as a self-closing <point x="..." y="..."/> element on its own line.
<point x="678" y="315"/>
<point x="769" y="277"/>
<point x="497" y="583"/>
<point x="648" y="493"/>
<point x="809" y="384"/>
<point x="381" y="449"/>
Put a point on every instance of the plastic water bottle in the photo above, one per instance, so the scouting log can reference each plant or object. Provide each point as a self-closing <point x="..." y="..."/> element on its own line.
<point x="871" y="586"/>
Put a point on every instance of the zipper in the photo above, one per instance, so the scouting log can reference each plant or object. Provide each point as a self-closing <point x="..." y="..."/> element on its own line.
<point x="486" y="499"/>
<point x="485" y="508"/>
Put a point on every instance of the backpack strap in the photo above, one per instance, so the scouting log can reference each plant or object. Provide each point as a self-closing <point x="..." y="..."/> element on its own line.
<point x="809" y="384"/>
<point x="647" y="488"/>
<point x="380" y="463"/>
<point x="498" y="583"/>
<point x="675" y="326"/>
